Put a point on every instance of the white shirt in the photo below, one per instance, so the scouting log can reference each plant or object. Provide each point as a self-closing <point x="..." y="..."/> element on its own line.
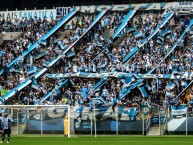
<point x="21" y="78"/>
<point x="75" y="68"/>
<point x="105" y="92"/>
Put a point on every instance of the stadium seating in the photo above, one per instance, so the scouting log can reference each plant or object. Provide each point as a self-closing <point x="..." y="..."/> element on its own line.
<point x="84" y="67"/>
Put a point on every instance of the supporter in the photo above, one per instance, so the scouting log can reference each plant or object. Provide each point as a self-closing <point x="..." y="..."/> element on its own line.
<point x="95" y="54"/>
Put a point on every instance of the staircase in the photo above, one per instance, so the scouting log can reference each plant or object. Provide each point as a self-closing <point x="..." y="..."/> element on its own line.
<point x="153" y="131"/>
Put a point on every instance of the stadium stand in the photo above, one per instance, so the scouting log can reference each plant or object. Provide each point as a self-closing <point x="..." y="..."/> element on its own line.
<point x="151" y="63"/>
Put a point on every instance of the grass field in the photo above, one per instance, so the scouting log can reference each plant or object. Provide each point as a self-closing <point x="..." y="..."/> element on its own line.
<point x="102" y="140"/>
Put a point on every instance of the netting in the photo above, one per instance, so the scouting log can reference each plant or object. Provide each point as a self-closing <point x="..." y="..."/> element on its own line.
<point x="52" y="119"/>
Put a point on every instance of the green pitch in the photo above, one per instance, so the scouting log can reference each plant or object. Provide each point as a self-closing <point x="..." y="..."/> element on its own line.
<point x="106" y="140"/>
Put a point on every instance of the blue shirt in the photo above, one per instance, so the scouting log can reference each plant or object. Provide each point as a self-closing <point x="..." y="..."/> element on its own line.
<point x="7" y="123"/>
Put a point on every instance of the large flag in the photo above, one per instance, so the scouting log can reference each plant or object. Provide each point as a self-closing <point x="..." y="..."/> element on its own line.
<point x="31" y="70"/>
<point x="43" y="42"/>
<point x="170" y="86"/>
<point x="35" y="85"/>
<point x="138" y="34"/>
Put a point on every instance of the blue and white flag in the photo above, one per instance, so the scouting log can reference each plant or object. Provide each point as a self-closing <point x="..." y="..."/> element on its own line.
<point x="43" y="42"/>
<point x="1" y="72"/>
<point x="46" y="65"/>
<point x="31" y="70"/>
<point x="184" y="84"/>
<point x="137" y="34"/>
<point x="131" y="111"/>
<point x="102" y="64"/>
<point x="121" y="75"/>
<point x="29" y="46"/>
<point x="98" y="101"/>
<point x="175" y="59"/>
<point x="137" y="76"/>
<point x="128" y="80"/>
<point x="143" y="91"/>
<point x="165" y="32"/>
<point x="70" y="54"/>
<point x="38" y="56"/>
<point x="175" y="72"/>
<point x="35" y="85"/>
<point x="62" y="45"/>
<point x="160" y="42"/>
<point x="131" y="29"/>
<point x="171" y="85"/>
<point x="161" y="38"/>
<point x="179" y="111"/>
<point x="72" y="83"/>
<point x="14" y="70"/>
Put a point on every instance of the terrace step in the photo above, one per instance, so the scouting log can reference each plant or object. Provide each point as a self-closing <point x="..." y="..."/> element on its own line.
<point x="154" y="131"/>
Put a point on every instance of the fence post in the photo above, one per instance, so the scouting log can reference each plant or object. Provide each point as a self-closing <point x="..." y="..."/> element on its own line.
<point x="94" y="119"/>
<point x="117" y="127"/>
<point x="168" y="113"/>
<point x="41" y="124"/>
<point x="187" y="121"/>
<point x="91" y="123"/>
<point x="143" y="123"/>
<point x="159" y="120"/>
<point x="17" y="123"/>
<point x="69" y="121"/>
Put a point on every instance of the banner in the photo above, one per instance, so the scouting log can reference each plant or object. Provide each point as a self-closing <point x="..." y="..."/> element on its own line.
<point x="179" y="111"/>
<point x="183" y="7"/>
<point x="47" y="13"/>
<point x="62" y="11"/>
<point x="155" y="120"/>
<point x="108" y="125"/>
<point x="121" y="75"/>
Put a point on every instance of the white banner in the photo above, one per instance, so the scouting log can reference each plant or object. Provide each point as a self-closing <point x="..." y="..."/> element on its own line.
<point x="181" y="110"/>
<point x="47" y="13"/>
<point x="182" y="6"/>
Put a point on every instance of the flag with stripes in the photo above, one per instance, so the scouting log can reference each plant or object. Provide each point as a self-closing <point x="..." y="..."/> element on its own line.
<point x="43" y="42"/>
<point x="70" y="54"/>
<point x="170" y="86"/>
<point x="35" y="85"/>
<point x="143" y="91"/>
<point x="31" y="70"/>
<point x="137" y="34"/>
<point x="12" y="69"/>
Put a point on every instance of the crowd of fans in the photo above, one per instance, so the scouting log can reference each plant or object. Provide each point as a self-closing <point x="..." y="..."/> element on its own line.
<point x="96" y="54"/>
